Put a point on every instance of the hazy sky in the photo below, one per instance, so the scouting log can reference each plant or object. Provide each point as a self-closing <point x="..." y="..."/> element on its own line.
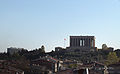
<point x="32" y="23"/>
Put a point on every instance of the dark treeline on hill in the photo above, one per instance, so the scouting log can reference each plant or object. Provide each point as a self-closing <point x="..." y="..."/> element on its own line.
<point x="34" y="54"/>
<point x="88" y="57"/>
<point x="30" y="55"/>
<point x="40" y="52"/>
<point x="25" y="57"/>
<point x="105" y="57"/>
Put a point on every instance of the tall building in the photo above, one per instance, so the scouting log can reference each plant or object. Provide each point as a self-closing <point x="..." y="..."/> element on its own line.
<point x="82" y="43"/>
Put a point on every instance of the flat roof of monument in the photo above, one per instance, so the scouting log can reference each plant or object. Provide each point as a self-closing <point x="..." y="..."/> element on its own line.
<point x="93" y="37"/>
<point x="82" y="36"/>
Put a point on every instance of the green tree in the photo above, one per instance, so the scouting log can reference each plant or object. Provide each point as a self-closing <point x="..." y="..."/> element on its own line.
<point x="72" y="66"/>
<point x="111" y="58"/>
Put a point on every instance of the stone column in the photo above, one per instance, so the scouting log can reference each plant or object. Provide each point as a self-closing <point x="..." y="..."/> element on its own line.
<point x="85" y="42"/>
<point x="93" y="42"/>
<point x="70" y="41"/>
<point x="82" y="42"/>
<point x="73" y="41"/>
<point x="89" y="42"/>
<point x="78" y="42"/>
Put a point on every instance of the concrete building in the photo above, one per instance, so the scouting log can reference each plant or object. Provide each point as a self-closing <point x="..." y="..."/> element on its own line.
<point x="114" y="68"/>
<point x="82" y="43"/>
<point x="13" y="50"/>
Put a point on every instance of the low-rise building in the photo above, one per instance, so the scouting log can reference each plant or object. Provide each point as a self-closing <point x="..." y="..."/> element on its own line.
<point x="114" y="68"/>
<point x="13" y="50"/>
<point x="99" y="68"/>
<point x="48" y="62"/>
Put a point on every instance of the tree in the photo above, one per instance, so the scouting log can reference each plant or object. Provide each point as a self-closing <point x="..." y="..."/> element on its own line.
<point x="111" y="58"/>
<point x="16" y="56"/>
<point x="104" y="46"/>
<point x="43" y="48"/>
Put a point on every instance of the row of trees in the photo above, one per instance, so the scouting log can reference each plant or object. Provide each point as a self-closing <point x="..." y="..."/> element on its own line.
<point x="26" y="56"/>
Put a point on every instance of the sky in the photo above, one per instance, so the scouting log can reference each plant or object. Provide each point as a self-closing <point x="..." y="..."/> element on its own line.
<point x="30" y="24"/>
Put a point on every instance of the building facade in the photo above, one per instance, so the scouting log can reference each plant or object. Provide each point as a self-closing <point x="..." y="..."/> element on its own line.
<point x="82" y="43"/>
<point x="13" y="50"/>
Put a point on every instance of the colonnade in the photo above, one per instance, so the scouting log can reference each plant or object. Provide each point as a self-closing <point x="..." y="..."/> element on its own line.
<point x="82" y="42"/>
